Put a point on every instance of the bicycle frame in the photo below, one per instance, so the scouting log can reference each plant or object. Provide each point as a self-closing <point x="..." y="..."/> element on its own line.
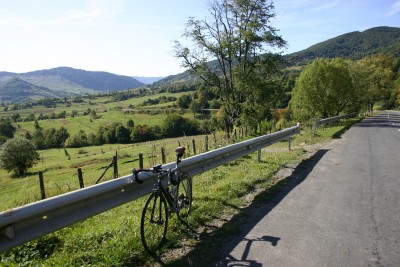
<point x="163" y="202"/>
<point x="166" y="193"/>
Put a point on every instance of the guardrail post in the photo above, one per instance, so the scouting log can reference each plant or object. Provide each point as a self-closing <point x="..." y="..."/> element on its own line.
<point x="80" y="178"/>
<point x="290" y="139"/>
<point x="115" y="165"/>
<point x="163" y="157"/>
<point x="315" y="126"/>
<point x="41" y="184"/>
<point x="140" y="160"/>
<point x="206" y="142"/>
<point x="259" y="155"/>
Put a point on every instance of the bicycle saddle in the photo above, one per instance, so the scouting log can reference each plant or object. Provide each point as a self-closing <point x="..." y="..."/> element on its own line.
<point x="180" y="151"/>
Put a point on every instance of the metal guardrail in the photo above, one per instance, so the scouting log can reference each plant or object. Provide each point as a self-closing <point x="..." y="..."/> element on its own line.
<point x="26" y="223"/>
<point x="320" y="122"/>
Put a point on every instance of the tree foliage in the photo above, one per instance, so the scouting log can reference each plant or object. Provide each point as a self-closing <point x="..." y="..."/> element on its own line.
<point x="323" y="89"/>
<point x="236" y="36"/>
<point x="327" y="87"/>
<point x="18" y="155"/>
<point x="373" y="78"/>
<point x="7" y="130"/>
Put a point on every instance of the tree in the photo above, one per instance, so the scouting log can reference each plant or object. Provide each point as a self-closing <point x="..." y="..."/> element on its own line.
<point x="7" y="129"/>
<point x="130" y="124"/>
<point x="175" y="125"/>
<point x="184" y="101"/>
<point x="74" y="113"/>
<point x="236" y="37"/>
<point x="122" y="134"/>
<point x="38" y="139"/>
<point x="18" y="155"/>
<point x="323" y="89"/>
<point x="373" y="78"/>
<point x="77" y="140"/>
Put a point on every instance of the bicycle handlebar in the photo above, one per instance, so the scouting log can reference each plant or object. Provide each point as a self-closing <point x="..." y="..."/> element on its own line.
<point x="180" y="151"/>
<point x="155" y="169"/>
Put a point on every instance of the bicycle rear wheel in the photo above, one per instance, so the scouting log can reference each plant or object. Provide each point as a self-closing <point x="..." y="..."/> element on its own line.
<point x="154" y="222"/>
<point x="184" y="199"/>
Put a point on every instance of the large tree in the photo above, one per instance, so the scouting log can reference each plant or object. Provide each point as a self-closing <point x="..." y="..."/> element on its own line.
<point x="230" y="53"/>
<point x="373" y="77"/>
<point x="323" y="89"/>
<point x="18" y="155"/>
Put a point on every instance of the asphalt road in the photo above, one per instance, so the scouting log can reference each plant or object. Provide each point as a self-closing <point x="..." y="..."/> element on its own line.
<point x="340" y="209"/>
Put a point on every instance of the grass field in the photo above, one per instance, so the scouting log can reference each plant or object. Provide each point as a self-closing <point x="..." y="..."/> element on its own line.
<point x="113" y="239"/>
<point x="106" y="110"/>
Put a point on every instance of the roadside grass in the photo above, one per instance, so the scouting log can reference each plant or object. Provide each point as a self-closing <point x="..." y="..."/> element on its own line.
<point x="60" y="171"/>
<point x="113" y="238"/>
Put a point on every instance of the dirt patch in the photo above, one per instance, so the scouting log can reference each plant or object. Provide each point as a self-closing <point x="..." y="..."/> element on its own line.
<point x="64" y="122"/>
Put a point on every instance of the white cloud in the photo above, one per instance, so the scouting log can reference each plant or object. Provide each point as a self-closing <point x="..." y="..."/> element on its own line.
<point x="327" y="6"/>
<point x="394" y="9"/>
<point x="93" y="11"/>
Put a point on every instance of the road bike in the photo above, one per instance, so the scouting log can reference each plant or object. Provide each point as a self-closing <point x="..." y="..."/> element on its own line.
<point x="164" y="201"/>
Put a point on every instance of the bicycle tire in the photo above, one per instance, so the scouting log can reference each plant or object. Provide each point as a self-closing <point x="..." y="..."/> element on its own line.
<point x="184" y="196"/>
<point x="154" y="222"/>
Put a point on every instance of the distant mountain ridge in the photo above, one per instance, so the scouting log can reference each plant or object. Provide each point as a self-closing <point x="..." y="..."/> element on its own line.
<point x="18" y="90"/>
<point x="353" y="45"/>
<point x="62" y="81"/>
<point x="65" y="81"/>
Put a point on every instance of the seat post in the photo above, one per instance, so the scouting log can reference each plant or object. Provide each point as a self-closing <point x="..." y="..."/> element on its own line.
<point x="180" y="151"/>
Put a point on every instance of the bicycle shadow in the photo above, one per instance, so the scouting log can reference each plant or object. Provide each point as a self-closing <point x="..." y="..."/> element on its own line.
<point x="215" y="245"/>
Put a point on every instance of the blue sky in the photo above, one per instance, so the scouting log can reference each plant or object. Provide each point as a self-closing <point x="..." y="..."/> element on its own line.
<point x="135" y="37"/>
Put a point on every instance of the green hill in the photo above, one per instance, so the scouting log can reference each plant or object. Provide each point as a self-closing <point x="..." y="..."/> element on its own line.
<point x="353" y="45"/>
<point x="18" y="90"/>
<point x="64" y="81"/>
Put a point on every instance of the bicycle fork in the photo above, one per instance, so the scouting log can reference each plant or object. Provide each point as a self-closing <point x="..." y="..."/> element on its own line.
<point x="159" y="220"/>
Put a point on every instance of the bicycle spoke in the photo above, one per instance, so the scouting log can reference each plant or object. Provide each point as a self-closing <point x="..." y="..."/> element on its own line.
<point x="154" y="222"/>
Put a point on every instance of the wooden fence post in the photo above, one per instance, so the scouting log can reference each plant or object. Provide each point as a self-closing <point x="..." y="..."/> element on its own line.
<point x="163" y="157"/>
<point x="41" y="184"/>
<point x="140" y="160"/>
<point x="194" y="146"/>
<point x="80" y="178"/>
<point x="215" y="139"/>
<point x="115" y="165"/>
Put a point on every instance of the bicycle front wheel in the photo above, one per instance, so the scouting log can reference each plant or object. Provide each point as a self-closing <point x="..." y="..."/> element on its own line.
<point x="184" y="196"/>
<point x="154" y="222"/>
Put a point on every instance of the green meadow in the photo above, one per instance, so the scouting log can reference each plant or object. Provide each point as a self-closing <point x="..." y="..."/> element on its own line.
<point x="113" y="238"/>
<point x="106" y="112"/>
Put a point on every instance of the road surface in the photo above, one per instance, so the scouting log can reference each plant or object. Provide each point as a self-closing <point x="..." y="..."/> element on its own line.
<point x="341" y="210"/>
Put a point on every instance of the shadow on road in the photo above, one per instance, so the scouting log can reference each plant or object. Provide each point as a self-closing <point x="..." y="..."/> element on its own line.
<point x="218" y="244"/>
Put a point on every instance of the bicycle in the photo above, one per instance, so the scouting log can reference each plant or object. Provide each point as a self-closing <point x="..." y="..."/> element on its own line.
<point x="178" y="199"/>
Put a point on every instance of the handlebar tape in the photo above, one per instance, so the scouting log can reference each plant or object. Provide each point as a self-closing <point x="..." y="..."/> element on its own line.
<point x="135" y="173"/>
